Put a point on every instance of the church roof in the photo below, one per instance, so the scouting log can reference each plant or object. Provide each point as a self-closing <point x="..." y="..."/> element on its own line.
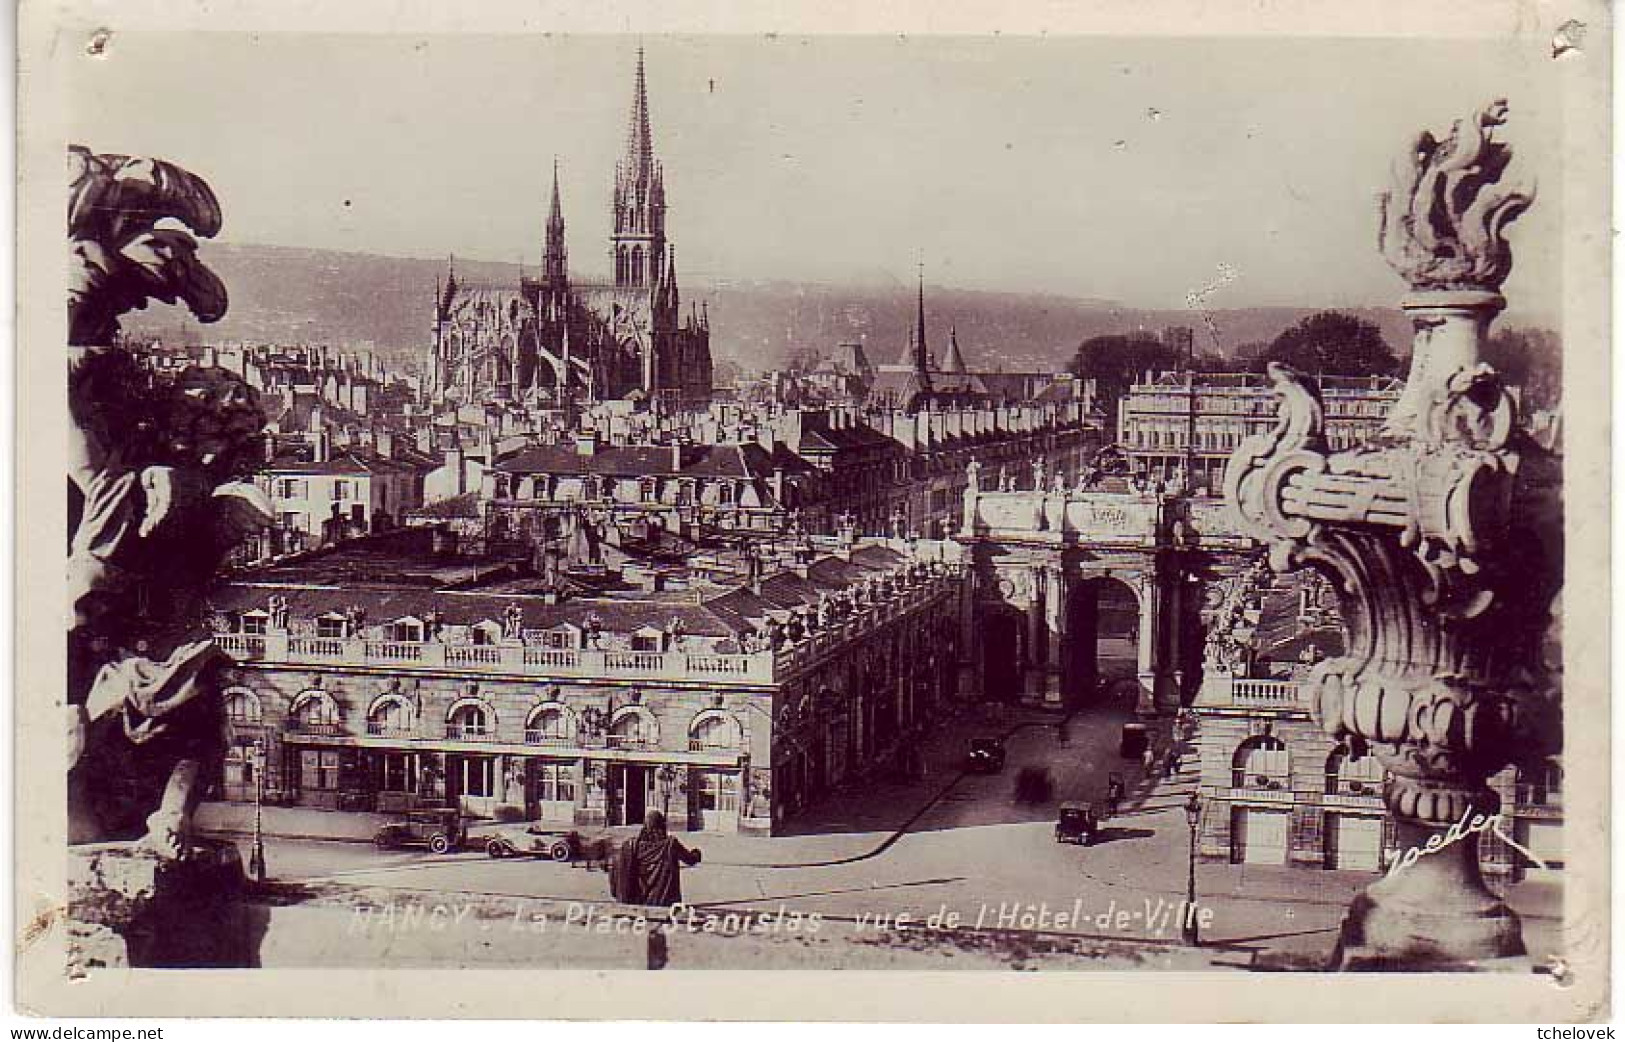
<point x="952" y="360"/>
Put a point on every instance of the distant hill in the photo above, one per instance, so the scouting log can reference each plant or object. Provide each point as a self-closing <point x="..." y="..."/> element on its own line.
<point x="282" y="294"/>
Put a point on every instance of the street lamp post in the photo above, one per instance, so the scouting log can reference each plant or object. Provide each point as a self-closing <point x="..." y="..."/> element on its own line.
<point x="666" y="778"/>
<point x="256" y="854"/>
<point x="1193" y="816"/>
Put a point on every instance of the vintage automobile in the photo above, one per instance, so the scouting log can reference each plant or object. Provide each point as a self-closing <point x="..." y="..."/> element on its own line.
<point x="557" y="844"/>
<point x="986" y="755"/>
<point x="1076" y="823"/>
<point x="440" y="830"/>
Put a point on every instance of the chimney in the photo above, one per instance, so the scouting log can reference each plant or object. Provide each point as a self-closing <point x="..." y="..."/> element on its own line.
<point x="424" y="437"/>
<point x="383" y="442"/>
<point x="587" y="443"/>
<point x="321" y="447"/>
<point x="676" y="457"/>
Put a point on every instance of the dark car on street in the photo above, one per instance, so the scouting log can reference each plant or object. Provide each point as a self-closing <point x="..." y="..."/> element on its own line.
<point x="439" y="830"/>
<point x="986" y="756"/>
<point x="557" y="844"/>
<point x="1076" y="823"/>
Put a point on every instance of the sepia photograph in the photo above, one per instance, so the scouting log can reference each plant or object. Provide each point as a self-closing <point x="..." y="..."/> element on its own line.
<point x="1096" y="505"/>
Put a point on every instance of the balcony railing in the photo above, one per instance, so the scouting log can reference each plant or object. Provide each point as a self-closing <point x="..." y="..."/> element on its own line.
<point x="550" y="738"/>
<point x="700" y="745"/>
<point x="628" y="741"/>
<point x="469" y="733"/>
<point x="241" y="645"/>
<point x="762" y="667"/>
<point x="380" y="729"/>
<point x="317" y="728"/>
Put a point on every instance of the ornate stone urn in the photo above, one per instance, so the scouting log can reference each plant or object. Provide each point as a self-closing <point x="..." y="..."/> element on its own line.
<point x="1443" y="539"/>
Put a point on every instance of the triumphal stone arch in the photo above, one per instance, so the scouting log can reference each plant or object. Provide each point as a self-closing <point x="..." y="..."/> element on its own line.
<point x="1043" y="561"/>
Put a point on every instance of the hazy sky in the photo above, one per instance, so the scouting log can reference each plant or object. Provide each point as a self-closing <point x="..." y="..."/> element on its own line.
<point x="1084" y="166"/>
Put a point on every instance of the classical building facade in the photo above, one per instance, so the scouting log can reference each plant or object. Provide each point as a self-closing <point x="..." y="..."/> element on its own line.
<point x="1277" y="790"/>
<point x="729" y="707"/>
<point x="561" y="340"/>
<point x="1173" y="418"/>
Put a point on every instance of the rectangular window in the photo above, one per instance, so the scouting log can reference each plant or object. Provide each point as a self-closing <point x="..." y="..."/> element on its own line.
<point x="399" y="772"/>
<point x="559" y="639"/>
<point x="643" y="642"/>
<point x="290" y="488"/>
<point x="343" y="489"/>
<point x="556" y="782"/>
<point x="254" y="624"/>
<point x="318" y="770"/>
<point x="479" y="776"/>
<point x="330" y="629"/>
<point x="294" y="520"/>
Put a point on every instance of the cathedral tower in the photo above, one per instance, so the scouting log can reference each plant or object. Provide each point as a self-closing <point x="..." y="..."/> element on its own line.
<point x="638" y="242"/>
<point x="555" y="259"/>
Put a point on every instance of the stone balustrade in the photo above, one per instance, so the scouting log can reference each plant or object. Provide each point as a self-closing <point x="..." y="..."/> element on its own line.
<point x="760" y="667"/>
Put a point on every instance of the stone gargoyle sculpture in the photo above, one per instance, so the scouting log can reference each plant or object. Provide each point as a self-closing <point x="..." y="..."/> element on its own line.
<point x="157" y="499"/>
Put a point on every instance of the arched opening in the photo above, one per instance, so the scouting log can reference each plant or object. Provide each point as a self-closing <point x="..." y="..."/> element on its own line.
<point x="713" y="730"/>
<point x="1261" y="762"/>
<point x="1103" y="619"/>
<point x="470" y="719"/>
<point x="1350" y="774"/>
<point x="1002" y="654"/>
<point x="550" y="723"/>
<point x="391" y="717"/>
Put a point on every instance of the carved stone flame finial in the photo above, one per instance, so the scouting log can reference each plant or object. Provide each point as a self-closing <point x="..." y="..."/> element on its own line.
<point x="1444" y="215"/>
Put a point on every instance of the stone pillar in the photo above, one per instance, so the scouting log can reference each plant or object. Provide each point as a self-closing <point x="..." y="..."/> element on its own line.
<point x="1445" y="541"/>
<point x="1037" y="653"/>
<point x="1150" y="664"/>
<point x="1055" y="630"/>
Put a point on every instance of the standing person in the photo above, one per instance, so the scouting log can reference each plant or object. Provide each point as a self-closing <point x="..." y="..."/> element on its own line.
<point x="647" y="868"/>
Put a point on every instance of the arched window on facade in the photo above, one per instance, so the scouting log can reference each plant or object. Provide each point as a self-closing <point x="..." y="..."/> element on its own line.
<point x="714" y="730"/>
<point x="469" y="719"/>
<point x="1261" y="763"/>
<point x="243" y="708"/>
<point x="390" y="716"/>
<point x="633" y="727"/>
<point x="550" y="723"/>
<point x="316" y="712"/>
<point x="1351" y="775"/>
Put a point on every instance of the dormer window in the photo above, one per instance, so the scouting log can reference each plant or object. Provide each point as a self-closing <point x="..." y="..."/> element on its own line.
<point x="331" y="627"/>
<point x="407" y="630"/>
<point x="254" y="622"/>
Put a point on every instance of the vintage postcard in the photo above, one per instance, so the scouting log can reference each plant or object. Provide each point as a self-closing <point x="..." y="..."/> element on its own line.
<point x="1041" y="515"/>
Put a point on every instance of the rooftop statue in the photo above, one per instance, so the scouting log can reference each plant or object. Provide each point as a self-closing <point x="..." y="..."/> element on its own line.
<point x="157" y="499"/>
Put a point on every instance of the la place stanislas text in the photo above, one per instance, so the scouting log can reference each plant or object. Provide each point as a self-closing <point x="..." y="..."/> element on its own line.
<point x="1153" y="916"/>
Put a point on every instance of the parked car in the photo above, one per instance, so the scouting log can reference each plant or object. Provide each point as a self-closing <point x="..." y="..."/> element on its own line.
<point x="558" y="844"/>
<point x="986" y="755"/>
<point x="1076" y="823"/>
<point x="439" y="830"/>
